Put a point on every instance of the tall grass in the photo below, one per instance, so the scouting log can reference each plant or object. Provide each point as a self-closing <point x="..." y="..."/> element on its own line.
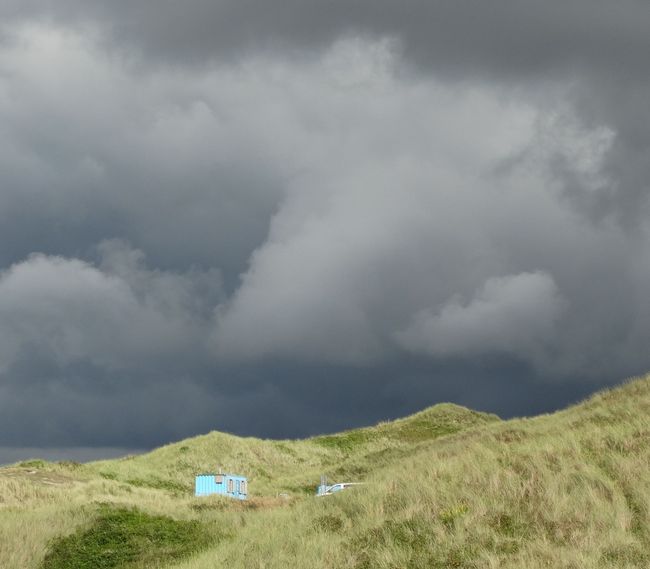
<point x="442" y="489"/>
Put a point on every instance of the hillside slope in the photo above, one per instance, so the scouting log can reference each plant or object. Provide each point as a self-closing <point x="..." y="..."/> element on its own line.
<point x="290" y="466"/>
<point x="568" y="490"/>
<point x="444" y="488"/>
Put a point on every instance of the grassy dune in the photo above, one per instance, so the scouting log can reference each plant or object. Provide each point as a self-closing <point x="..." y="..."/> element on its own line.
<point x="292" y="467"/>
<point x="446" y="487"/>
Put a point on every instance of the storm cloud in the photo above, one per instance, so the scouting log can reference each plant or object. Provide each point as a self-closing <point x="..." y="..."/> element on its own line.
<point x="284" y="218"/>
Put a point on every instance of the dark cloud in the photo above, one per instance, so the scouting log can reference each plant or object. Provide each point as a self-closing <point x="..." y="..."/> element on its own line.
<point x="10" y="455"/>
<point x="90" y="408"/>
<point x="287" y="218"/>
<point x="90" y="151"/>
<point x="513" y="36"/>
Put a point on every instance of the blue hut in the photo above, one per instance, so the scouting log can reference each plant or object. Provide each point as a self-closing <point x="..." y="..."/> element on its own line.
<point x="230" y="485"/>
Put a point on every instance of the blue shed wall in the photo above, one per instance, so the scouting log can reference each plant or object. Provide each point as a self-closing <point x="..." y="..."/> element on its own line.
<point x="206" y="485"/>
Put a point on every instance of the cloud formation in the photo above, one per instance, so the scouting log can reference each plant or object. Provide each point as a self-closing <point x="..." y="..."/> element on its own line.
<point x="514" y="314"/>
<point x="226" y="205"/>
<point x="118" y="315"/>
<point x="508" y="35"/>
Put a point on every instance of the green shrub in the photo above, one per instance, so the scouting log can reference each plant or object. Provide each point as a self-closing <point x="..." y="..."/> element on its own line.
<point x="128" y="538"/>
<point x="33" y="464"/>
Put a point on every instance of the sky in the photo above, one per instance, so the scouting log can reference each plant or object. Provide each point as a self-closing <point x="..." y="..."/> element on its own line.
<point x="282" y="218"/>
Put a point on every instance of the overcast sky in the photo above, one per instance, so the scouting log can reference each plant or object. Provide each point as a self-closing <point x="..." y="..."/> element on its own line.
<point x="280" y="218"/>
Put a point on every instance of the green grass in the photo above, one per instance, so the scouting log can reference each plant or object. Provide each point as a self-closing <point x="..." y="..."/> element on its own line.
<point x="442" y="419"/>
<point x="33" y="464"/>
<point x="446" y="487"/>
<point x="161" y="484"/>
<point x="129" y="538"/>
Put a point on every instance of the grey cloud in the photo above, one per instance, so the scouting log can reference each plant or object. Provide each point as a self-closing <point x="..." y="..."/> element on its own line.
<point x="506" y="35"/>
<point x="298" y="182"/>
<point x="90" y="152"/>
<point x="515" y="314"/>
<point x="120" y="315"/>
<point x="326" y="285"/>
<point x="431" y="210"/>
<point x="595" y="49"/>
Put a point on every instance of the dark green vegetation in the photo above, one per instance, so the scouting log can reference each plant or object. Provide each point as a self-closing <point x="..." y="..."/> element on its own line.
<point x="128" y="538"/>
<point x="446" y="487"/>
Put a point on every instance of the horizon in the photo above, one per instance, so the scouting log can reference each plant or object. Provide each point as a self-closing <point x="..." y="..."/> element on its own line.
<point x="10" y="455"/>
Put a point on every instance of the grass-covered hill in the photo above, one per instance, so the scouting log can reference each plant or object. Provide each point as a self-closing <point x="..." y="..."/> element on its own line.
<point x="446" y="487"/>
